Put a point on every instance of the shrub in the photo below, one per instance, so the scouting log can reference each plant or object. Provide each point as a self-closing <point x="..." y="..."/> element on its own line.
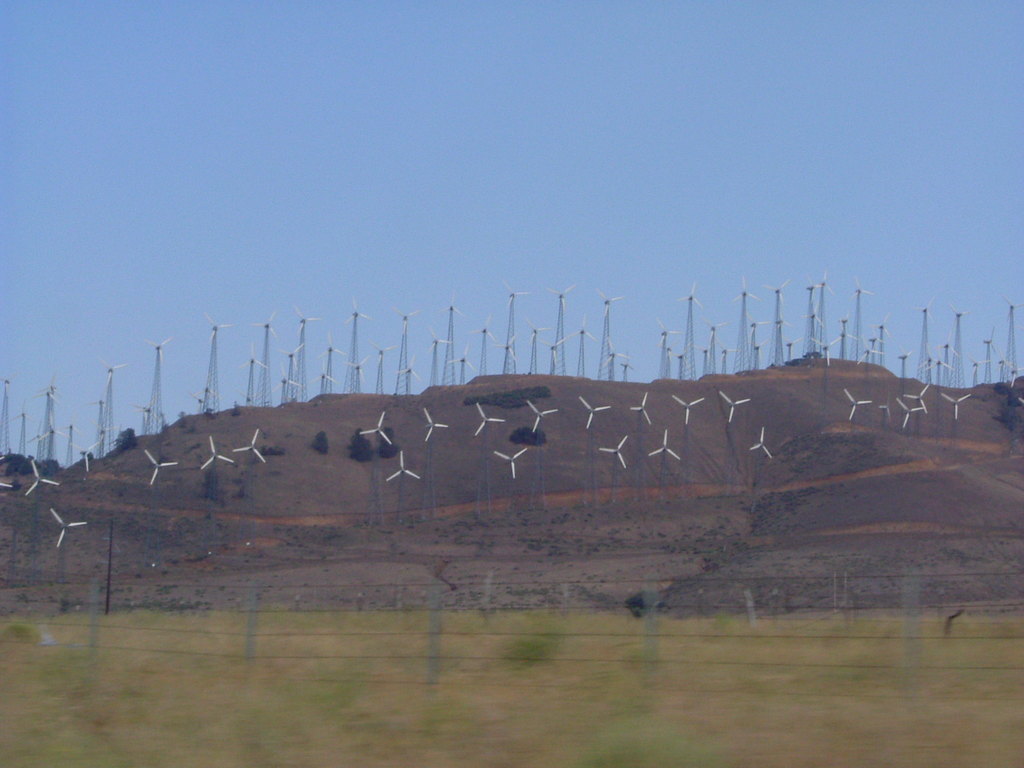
<point x="359" y="448"/>
<point x="514" y="398"/>
<point x="527" y="436"/>
<point x="641" y="743"/>
<point x="319" y="443"/>
<point x="532" y="649"/>
<point x="126" y="441"/>
<point x="272" y="450"/>
<point x="20" y="633"/>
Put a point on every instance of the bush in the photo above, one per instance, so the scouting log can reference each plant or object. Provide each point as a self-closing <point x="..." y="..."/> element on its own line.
<point x="359" y="448"/>
<point x="527" y="436"/>
<point x="126" y="441"/>
<point x="319" y="443"/>
<point x="515" y="398"/>
<point x="272" y="450"/>
<point x="20" y="633"/>
<point x="532" y="649"/>
<point x="641" y="743"/>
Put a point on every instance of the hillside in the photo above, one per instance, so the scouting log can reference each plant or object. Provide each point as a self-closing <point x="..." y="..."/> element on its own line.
<point x="858" y="494"/>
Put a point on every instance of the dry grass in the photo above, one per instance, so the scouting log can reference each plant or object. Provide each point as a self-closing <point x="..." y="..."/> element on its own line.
<point x="517" y="689"/>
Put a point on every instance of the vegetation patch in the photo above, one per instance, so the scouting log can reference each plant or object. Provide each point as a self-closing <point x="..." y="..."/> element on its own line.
<point x="513" y="398"/>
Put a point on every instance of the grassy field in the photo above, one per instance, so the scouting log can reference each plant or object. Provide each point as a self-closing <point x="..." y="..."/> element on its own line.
<point x="514" y="689"/>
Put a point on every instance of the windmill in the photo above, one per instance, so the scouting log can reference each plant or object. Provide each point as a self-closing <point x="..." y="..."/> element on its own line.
<point x="540" y="439"/>
<point x="403" y="383"/>
<point x="664" y="353"/>
<point x="60" y="540"/>
<point x="430" y="489"/>
<point x="955" y="402"/>
<point x="584" y="334"/>
<point x="726" y="400"/>
<point x="763" y="452"/>
<point x="263" y="395"/>
<point x="1011" y="341"/>
<point x="534" y="331"/>
<point x="34" y="536"/>
<point x="606" y="365"/>
<point x="509" y="364"/>
<point x="252" y="384"/>
<point x="353" y="381"/>
<point x="559" y="329"/>
<point x="211" y="399"/>
<point x="732" y="404"/>
<point x="250" y="476"/>
<point x="711" y="356"/>
<point x="512" y="479"/>
<point x="449" y="351"/>
<point x="591" y="410"/>
<point x="924" y="359"/>
<point x="289" y="384"/>
<point x="754" y="349"/>
<point x="777" y="323"/>
<point x="462" y="362"/>
<point x="45" y="441"/>
<point x="842" y="338"/>
<point x="742" y="360"/>
<point x="811" y="329"/>
<point x="484" y="473"/>
<point x="688" y="406"/>
<point x="379" y="389"/>
<point x="641" y="417"/>
<point x="152" y="545"/>
<point x="355" y="376"/>
<point x="400" y="474"/>
<point x="5" y="422"/>
<point x="211" y="490"/>
<point x="37" y="479"/>
<point x="376" y="511"/>
<point x="485" y="336"/>
<point x="857" y="338"/>
<point x="687" y="362"/>
<point x="854" y="402"/>
<point x="620" y="459"/>
<point x="156" y="405"/>
<point x="822" y="319"/>
<point x="434" y="381"/>
<point x="664" y="451"/>
<point x="300" y="359"/>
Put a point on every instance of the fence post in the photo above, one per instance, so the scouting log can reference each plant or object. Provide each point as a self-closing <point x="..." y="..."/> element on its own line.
<point x="252" y="622"/>
<point x="911" y="633"/>
<point x="565" y="599"/>
<point x="94" y="618"/>
<point x="751" y="612"/>
<point x="488" y="588"/>
<point x="434" y="634"/>
<point x="650" y="598"/>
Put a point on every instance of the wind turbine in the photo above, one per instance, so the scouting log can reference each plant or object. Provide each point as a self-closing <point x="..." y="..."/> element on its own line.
<point x="759" y="445"/>
<point x="1011" y="340"/>
<point x="591" y="410"/>
<point x="687" y="406"/>
<point x="263" y="396"/>
<point x="742" y="360"/>
<point x="300" y="367"/>
<point x="430" y="486"/>
<point x="534" y="331"/>
<point x="378" y="430"/>
<point x="400" y="474"/>
<point x="512" y="465"/>
<point x="854" y="403"/>
<point x="559" y="328"/>
<point x="211" y="401"/>
<point x="151" y="549"/>
<point x="664" y="451"/>
<point x="539" y="416"/>
<point x="732" y="404"/>
<point x="252" y="385"/>
<point x="403" y="384"/>
<point x="354" y="379"/>
<point x="688" y="363"/>
<point x="777" y="344"/>
<point x="584" y="334"/>
<point x="483" y="472"/>
<point x="327" y="377"/>
<point x="38" y="479"/>
<point x="641" y="417"/>
<point x="448" y="373"/>
<point x="355" y="376"/>
<point x="156" y="406"/>
<point x="664" y="353"/>
<point x="485" y="335"/>
<point x="60" y="540"/>
<point x="375" y="501"/>
<point x="606" y="366"/>
<point x="955" y="402"/>
<point x="462" y="362"/>
<point x="5" y="424"/>
<point x="509" y="365"/>
<point x="617" y="451"/>
<point x="379" y="389"/>
<point x="857" y="339"/>
<point x="711" y="357"/>
<point x="434" y="381"/>
<point x="924" y="369"/>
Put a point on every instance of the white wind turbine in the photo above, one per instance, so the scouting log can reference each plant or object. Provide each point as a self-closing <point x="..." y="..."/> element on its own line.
<point x="484" y="472"/>
<point x="327" y="377"/>
<point x="251" y="479"/>
<point x="854" y="402"/>
<point x="485" y="336"/>
<point x="400" y="474"/>
<point x="687" y="360"/>
<point x="759" y="445"/>
<point x="449" y="351"/>
<point x="157" y="465"/>
<point x="617" y="451"/>
<point x="559" y="329"/>
<point x="429" y="487"/>
<point x="354" y="380"/>
<point x="60" y="540"/>
<point x="509" y="365"/>
<point x="534" y="368"/>
<point x="379" y="389"/>
<point x="214" y="455"/>
<point x="403" y="384"/>
<point x="211" y="400"/>
<point x="511" y="459"/>
<point x="591" y="477"/>
<point x="664" y="451"/>
<point x="732" y="404"/>
<point x="38" y="479"/>
<point x="641" y="417"/>
<point x="606" y="365"/>
<point x="485" y="420"/>
<point x="376" y="509"/>
<point x="584" y="334"/>
<point x="955" y="401"/>
<point x="378" y="430"/>
<point x="300" y="367"/>
<point x="664" y="353"/>
<point x="539" y="416"/>
<point x="263" y="394"/>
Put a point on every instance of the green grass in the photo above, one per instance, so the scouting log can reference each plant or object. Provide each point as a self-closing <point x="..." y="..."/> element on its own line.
<point x="516" y="689"/>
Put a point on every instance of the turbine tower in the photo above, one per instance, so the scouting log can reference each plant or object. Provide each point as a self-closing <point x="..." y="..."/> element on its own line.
<point x="560" y="328"/>
<point x="211" y="398"/>
<point x="821" y="316"/>
<point x="46" y="448"/>
<point x="156" y="406"/>
<point x="581" y="361"/>
<point x="857" y="338"/>
<point x="300" y="358"/>
<point x="403" y="381"/>
<point x="924" y="359"/>
<point x="687" y="361"/>
<point x="778" y="355"/>
<point x="811" y="329"/>
<point x="352" y="380"/>
<point x="108" y="409"/>
<point x="957" y="374"/>
<point x="485" y="334"/>
<point x="606" y="365"/>
<point x="448" y="372"/>
<point x="1011" y="341"/>
<point x="5" y="420"/>
<point x="264" y="390"/>
<point x="509" y="365"/>
<point x="327" y="380"/>
<point x="742" y="360"/>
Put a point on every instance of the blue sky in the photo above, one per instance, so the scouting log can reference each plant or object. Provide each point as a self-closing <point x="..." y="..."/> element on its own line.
<point x="165" y="160"/>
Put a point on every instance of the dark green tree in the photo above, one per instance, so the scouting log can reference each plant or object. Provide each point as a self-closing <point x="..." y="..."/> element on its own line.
<point x="319" y="443"/>
<point x="359" y="448"/>
<point x="126" y="441"/>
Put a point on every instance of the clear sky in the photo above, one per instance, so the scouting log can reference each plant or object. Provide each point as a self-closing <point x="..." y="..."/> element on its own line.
<point x="168" y="159"/>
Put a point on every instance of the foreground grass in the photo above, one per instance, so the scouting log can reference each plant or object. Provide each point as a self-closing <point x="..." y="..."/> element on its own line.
<point x="522" y="689"/>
